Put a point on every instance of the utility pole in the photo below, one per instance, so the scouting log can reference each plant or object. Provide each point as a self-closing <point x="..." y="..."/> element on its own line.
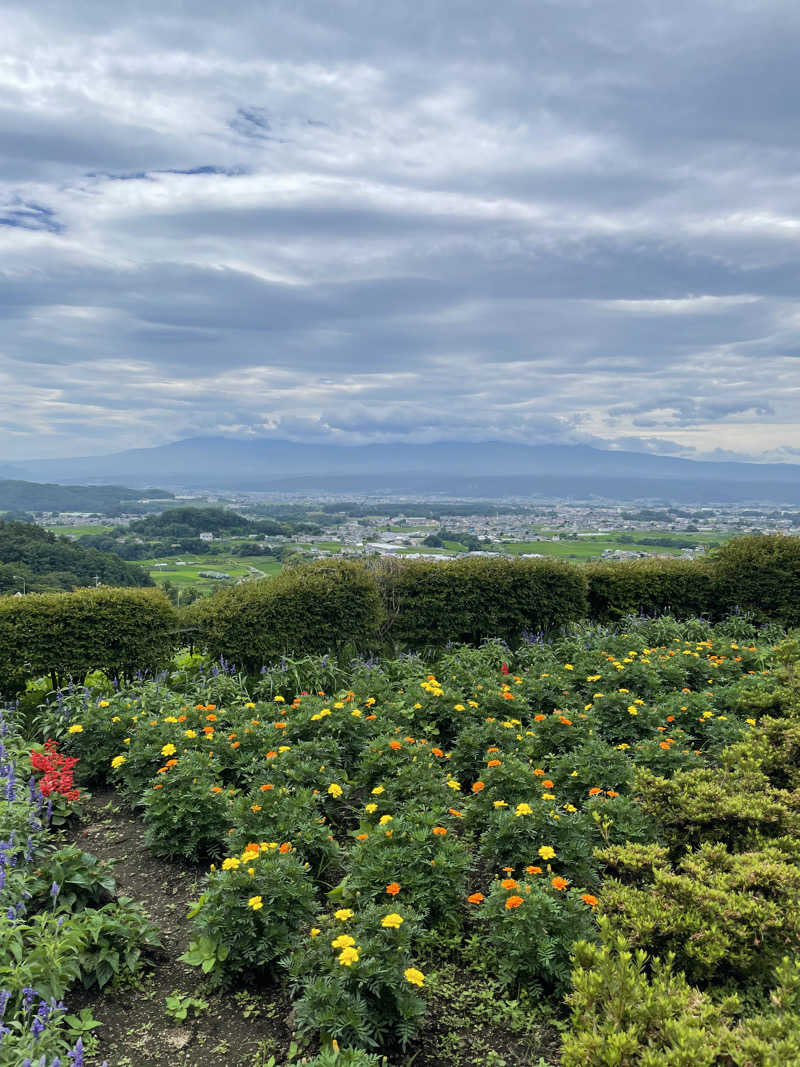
<point x="96" y="580"/>
<point x="20" y="578"/>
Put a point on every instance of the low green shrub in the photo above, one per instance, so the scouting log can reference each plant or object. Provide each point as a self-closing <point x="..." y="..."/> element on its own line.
<point x="682" y="588"/>
<point x="628" y="1010"/>
<point x="727" y="918"/>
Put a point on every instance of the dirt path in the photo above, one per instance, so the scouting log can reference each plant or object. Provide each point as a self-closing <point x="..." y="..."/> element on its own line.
<point x="237" y="1029"/>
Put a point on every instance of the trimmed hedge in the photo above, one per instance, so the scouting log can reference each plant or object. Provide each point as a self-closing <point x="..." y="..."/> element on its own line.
<point x="69" y="634"/>
<point x="680" y="587"/>
<point x="414" y="604"/>
<point x="760" y="574"/>
<point x="429" y="604"/>
<point x="316" y="608"/>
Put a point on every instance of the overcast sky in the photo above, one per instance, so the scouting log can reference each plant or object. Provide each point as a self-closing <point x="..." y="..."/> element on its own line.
<point x="377" y="220"/>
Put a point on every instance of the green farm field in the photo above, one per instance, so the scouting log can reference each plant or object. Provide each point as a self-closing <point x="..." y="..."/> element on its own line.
<point x="188" y="577"/>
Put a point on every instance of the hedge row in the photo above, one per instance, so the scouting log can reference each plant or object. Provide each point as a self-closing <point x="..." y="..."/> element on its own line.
<point x="69" y="634"/>
<point x="318" y="608"/>
<point x="417" y="604"/>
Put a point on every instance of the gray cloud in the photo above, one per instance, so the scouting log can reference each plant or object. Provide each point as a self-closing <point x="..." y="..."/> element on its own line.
<point x="562" y="221"/>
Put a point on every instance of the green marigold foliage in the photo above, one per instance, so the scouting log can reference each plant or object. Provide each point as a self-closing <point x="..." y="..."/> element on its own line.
<point x="356" y="978"/>
<point x="250" y="912"/>
<point x="631" y="1011"/>
<point x="528" y="945"/>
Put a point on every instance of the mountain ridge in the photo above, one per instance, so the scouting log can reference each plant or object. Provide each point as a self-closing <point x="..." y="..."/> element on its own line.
<point x="567" y="470"/>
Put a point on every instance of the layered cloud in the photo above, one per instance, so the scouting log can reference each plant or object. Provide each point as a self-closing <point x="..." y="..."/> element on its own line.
<point x="558" y="221"/>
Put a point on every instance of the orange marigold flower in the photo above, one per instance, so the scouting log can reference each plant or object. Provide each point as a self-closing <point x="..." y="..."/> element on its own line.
<point x="595" y="791"/>
<point x="559" y="882"/>
<point x="285" y="847"/>
<point x="361" y="837"/>
<point x="216" y="789"/>
<point x="514" y="902"/>
<point x="493" y="763"/>
<point x="566" y="722"/>
<point x="453" y="811"/>
<point x="531" y="869"/>
<point x="539" y="718"/>
<point x="475" y="898"/>
<point x="171" y="763"/>
<point x="587" y="898"/>
<point x="279" y="725"/>
<point x="393" y="888"/>
<point x="395" y="745"/>
<point x="494" y="748"/>
<point x="255" y="807"/>
<point x="440" y="831"/>
<point x="271" y="755"/>
<point x="437" y="752"/>
<point x="211" y="707"/>
<point x="665" y="745"/>
<point x="211" y="718"/>
<point x="548" y="784"/>
<point x="670" y="718"/>
<point x="509" y="883"/>
<point x="477" y="787"/>
<point x="159" y="786"/>
<point x="266" y="787"/>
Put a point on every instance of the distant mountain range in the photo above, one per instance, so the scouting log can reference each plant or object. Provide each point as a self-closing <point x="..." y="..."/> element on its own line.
<point x="488" y="470"/>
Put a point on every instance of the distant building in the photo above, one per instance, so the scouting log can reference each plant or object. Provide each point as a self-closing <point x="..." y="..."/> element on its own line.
<point x="206" y="536"/>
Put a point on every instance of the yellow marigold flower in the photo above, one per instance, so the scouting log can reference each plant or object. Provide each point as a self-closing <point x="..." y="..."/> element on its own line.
<point x="117" y="761"/>
<point x="278" y="700"/>
<point x="104" y="704"/>
<point x="384" y="819"/>
<point x="335" y="790"/>
<point x="500" y="804"/>
<point x="76" y="728"/>
<point x="568" y="667"/>
<point x="547" y="852"/>
<point x="548" y="796"/>
<point x="356" y="713"/>
<point x="170" y="718"/>
<point x="391" y="921"/>
<point x="370" y="808"/>
<point x="116" y="719"/>
<point x="249" y="704"/>
<point x="413" y="976"/>
<point x="230" y="864"/>
<point x="168" y="750"/>
<point x="343" y="941"/>
<point x="348" y="956"/>
<point x="343" y="914"/>
<point x="458" y="707"/>
<point x="523" y="809"/>
<point x="255" y="903"/>
<point x="190" y="733"/>
<point x="453" y="784"/>
<point x="570" y="808"/>
<point x="376" y="792"/>
<point x="315" y="931"/>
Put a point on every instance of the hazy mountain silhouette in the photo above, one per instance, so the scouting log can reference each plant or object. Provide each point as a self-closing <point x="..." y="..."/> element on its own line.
<point x="492" y="469"/>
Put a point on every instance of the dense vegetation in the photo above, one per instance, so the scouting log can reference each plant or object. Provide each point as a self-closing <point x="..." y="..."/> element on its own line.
<point x="102" y="499"/>
<point x="612" y="818"/>
<point x="176" y="531"/>
<point x="45" y="563"/>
